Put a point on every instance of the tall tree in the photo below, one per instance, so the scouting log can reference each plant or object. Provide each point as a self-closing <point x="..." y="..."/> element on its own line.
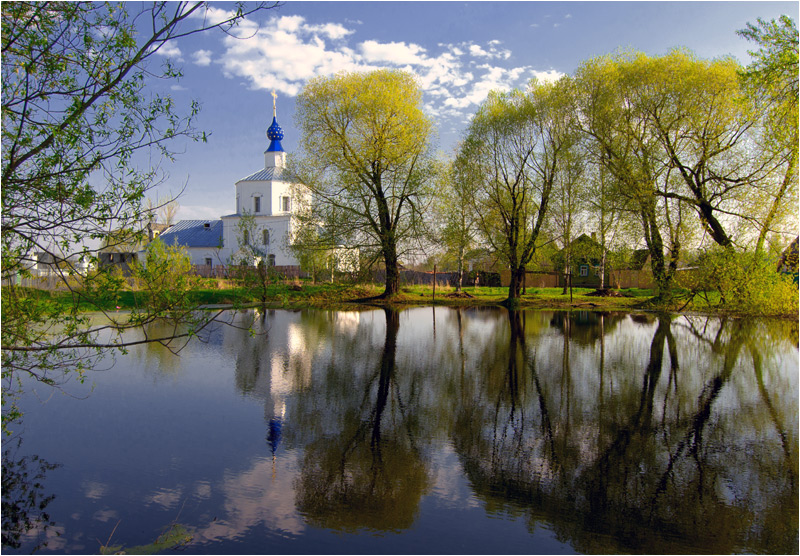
<point x="365" y="156"/>
<point x="517" y="145"/>
<point x="771" y="81"/>
<point x="619" y="101"/>
<point x="697" y="111"/>
<point x="77" y="107"/>
<point x="608" y="212"/>
<point x="454" y="219"/>
<point x="567" y="209"/>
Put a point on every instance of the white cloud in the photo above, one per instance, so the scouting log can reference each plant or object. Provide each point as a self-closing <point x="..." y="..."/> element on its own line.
<point x="476" y="50"/>
<point x="170" y="50"/>
<point x="548" y="76"/>
<point x="333" y="31"/>
<point x="178" y="88"/>
<point x="286" y="52"/>
<point x="393" y="52"/>
<point x="493" y="51"/>
<point x="202" y="57"/>
<point x="212" y="15"/>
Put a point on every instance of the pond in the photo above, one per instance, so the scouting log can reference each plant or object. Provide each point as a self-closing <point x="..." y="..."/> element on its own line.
<point x="429" y="430"/>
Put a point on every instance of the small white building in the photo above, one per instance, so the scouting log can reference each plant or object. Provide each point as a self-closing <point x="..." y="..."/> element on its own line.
<point x="267" y="203"/>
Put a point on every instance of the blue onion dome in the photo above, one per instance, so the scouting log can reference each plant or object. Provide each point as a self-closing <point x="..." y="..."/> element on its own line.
<point x="275" y="134"/>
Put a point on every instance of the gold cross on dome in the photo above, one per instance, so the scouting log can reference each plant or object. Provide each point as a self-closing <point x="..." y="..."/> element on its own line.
<point x="274" y="99"/>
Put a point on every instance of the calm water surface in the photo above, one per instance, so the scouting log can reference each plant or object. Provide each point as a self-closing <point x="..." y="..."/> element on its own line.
<point x="424" y="431"/>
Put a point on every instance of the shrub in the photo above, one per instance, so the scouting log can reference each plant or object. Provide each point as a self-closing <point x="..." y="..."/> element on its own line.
<point x="745" y="282"/>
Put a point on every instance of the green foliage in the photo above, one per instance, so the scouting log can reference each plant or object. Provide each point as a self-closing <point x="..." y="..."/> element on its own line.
<point x="517" y="147"/>
<point x="771" y="82"/>
<point x="76" y="116"/>
<point x="774" y="70"/>
<point x="164" y="281"/>
<point x="744" y="282"/>
<point x="365" y="156"/>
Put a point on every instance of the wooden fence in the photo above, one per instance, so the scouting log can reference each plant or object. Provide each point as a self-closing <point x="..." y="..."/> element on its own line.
<point x="232" y="271"/>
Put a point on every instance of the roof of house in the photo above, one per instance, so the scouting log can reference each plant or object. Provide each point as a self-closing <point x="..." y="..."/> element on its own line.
<point x="194" y="233"/>
<point x="123" y="241"/>
<point x="267" y="174"/>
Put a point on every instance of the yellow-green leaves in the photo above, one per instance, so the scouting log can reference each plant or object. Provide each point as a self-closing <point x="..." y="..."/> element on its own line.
<point x="366" y="158"/>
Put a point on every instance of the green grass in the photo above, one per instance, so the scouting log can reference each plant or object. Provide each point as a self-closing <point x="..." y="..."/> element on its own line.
<point x="335" y="295"/>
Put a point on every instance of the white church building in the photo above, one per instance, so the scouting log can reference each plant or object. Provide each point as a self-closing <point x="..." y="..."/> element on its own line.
<point x="269" y="201"/>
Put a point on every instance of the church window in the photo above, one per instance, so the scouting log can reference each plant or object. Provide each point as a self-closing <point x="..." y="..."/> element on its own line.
<point x="246" y="237"/>
<point x="271" y="260"/>
<point x="265" y="236"/>
<point x="286" y="204"/>
<point x="257" y="204"/>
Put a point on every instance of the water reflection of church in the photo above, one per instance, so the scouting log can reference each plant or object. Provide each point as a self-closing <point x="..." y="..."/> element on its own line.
<point x="279" y="364"/>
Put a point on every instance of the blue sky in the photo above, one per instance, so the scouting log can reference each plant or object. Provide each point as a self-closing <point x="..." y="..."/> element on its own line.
<point x="458" y="50"/>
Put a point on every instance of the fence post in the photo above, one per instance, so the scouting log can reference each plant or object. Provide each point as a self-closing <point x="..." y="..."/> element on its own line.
<point x="434" y="283"/>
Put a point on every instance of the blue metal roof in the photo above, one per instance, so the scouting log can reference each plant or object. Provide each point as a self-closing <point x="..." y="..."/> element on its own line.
<point x="194" y="233"/>
<point x="267" y="174"/>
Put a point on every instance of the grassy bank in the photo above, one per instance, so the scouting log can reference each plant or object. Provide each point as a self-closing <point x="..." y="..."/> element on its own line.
<point x="293" y="296"/>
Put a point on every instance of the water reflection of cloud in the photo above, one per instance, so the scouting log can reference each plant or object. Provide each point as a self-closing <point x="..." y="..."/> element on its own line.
<point x="105" y="515"/>
<point x="202" y="490"/>
<point x="261" y="495"/>
<point x="450" y="488"/>
<point x="167" y="498"/>
<point x="52" y="538"/>
<point x="94" y="490"/>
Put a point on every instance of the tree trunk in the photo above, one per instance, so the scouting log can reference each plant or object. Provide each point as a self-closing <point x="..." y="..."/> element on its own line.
<point x="392" y="271"/>
<point x="460" y="269"/>
<point x="662" y="273"/>
<point x="603" y="269"/>
<point x="517" y="274"/>
<point x="524" y="281"/>
<point x="712" y="225"/>
<point x="773" y="211"/>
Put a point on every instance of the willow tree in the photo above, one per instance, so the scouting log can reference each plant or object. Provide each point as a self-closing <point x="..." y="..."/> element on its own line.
<point x="681" y="138"/>
<point x="517" y="146"/>
<point x="452" y="219"/>
<point x="711" y="137"/>
<point x="771" y="81"/>
<point x="365" y="155"/>
<point x="616" y="99"/>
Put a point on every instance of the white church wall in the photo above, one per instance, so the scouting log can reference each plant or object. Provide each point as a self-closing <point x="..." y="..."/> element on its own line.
<point x="202" y="255"/>
<point x="248" y="191"/>
<point x="278" y="228"/>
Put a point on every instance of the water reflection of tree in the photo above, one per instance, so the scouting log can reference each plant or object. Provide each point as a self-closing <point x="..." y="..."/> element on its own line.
<point x="24" y="501"/>
<point x="368" y="471"/>
<point x="661" y="467"/>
